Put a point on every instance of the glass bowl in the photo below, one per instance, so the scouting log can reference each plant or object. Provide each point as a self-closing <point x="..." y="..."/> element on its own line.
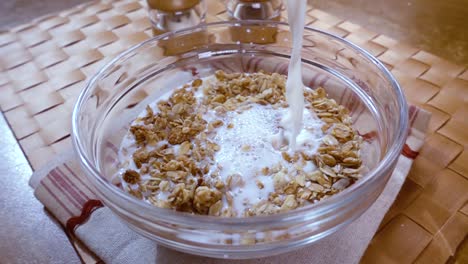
<point x="123" y="88"/>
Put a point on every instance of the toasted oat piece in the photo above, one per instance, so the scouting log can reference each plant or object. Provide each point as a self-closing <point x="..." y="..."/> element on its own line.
<point x="131" y="177"/>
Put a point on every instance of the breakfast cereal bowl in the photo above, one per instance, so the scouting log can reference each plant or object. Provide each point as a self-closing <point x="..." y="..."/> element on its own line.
<point x="125" y="86"/>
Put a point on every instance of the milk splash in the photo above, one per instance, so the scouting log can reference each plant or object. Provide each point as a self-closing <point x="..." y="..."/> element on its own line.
<point x="292" y="121"/>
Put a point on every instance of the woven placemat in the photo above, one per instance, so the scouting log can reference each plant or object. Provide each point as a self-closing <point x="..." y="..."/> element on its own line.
<point x="45" y="64"/>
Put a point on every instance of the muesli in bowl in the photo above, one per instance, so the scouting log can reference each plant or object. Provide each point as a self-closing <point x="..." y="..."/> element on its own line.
<point x="215" y="147"/>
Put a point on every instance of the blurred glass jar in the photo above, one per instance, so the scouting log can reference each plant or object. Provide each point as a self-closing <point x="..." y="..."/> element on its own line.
<point x="254" y="9"/>
<point x="174" y="15"/>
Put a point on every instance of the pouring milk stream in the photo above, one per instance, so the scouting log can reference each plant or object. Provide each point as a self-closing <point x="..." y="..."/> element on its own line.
<point x="292" y="121"/>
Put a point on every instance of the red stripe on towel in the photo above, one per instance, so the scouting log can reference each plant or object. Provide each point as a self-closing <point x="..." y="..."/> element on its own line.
<point x="409" y="153"/>
<point x="59" y="201"/>
<point x="88" y="208"/>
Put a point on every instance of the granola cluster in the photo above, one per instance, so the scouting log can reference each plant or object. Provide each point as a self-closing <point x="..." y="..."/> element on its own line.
<point x="174" y="162"/>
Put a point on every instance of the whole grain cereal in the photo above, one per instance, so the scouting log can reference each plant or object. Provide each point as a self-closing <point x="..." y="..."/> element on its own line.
<point x="216" y="147"/>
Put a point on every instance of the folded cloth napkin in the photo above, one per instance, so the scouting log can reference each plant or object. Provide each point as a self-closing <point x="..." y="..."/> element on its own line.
<point x="65" y="192"/>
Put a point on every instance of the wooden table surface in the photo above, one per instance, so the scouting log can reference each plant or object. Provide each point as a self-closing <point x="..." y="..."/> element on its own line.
<point x="437" y="26"/>
<point x="30" y="236"/>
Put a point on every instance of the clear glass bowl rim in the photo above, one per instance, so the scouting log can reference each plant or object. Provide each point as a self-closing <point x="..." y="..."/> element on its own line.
<point x="294" y="216"/>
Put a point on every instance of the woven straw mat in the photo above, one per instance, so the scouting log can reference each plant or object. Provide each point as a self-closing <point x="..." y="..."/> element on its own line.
<point x="45" y="64"/>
